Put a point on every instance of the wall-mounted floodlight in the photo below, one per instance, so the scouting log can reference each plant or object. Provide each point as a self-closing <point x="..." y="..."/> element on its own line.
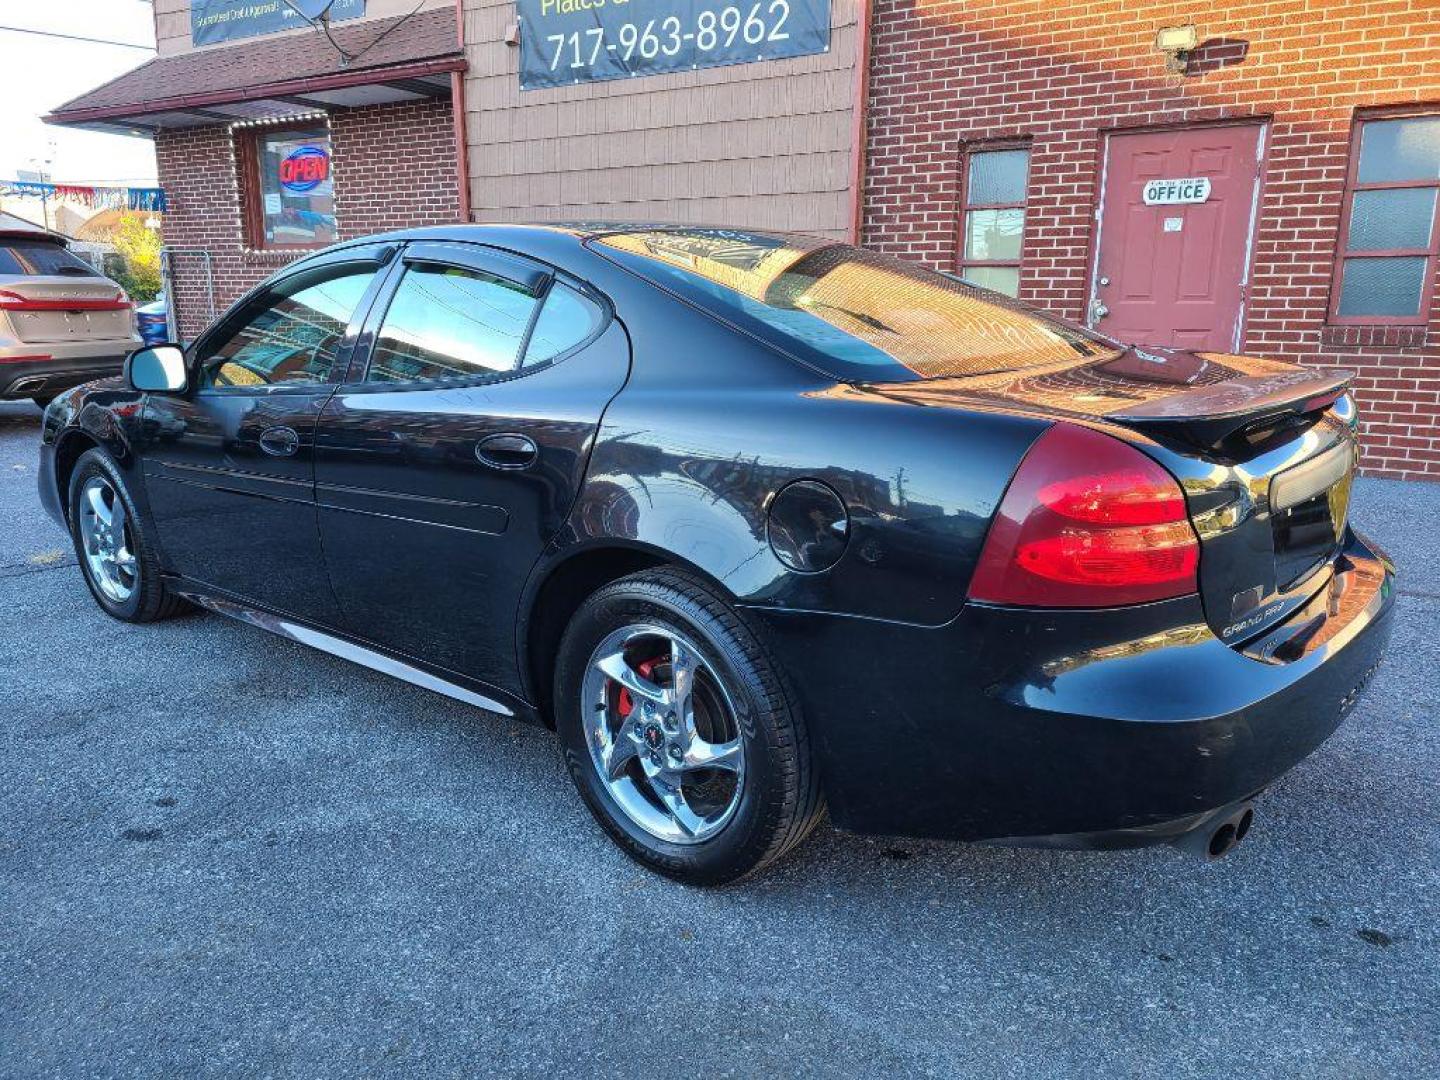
<point x="1177" y="43"/>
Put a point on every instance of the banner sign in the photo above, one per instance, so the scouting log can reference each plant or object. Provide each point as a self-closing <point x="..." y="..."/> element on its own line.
<point x="97" y="198"/>
<point x="563" y="42"/>
<point x="226" y="20"/>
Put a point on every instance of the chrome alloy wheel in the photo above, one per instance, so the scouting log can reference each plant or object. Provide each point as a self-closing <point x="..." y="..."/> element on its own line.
<point x="105" y="538"/>
<point x="662" y="733"/>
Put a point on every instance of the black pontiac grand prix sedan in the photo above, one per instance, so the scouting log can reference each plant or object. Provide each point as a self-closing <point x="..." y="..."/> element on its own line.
<point x="761" y="524"/>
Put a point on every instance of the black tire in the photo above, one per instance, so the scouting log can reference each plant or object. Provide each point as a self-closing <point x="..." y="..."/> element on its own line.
<point x="150" y="599"/>
<point x="779" y="800"/>
<point x="42" y="400"/>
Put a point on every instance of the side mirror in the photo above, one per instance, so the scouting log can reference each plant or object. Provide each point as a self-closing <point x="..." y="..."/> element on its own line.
<point x="158" y="368"/>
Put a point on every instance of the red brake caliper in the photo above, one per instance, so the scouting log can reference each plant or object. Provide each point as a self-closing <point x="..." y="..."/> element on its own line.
<point x="624" y="703"/>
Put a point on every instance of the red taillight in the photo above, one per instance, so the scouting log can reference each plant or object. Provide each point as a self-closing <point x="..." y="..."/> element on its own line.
<point x="1087" y="522"/>
<point x="12" y="301"/>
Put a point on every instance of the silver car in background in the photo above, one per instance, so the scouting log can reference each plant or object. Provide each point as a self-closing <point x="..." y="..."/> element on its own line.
<point x="62" y="323"/>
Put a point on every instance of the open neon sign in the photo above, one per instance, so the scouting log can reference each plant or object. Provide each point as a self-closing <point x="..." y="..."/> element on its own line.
<point x="304" y="169"/>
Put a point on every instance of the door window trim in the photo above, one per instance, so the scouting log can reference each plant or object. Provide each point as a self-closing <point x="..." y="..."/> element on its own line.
<point x="464" y="255"/>
<point x="381" y="262"/>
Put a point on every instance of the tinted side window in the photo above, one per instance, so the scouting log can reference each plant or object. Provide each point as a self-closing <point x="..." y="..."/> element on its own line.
<point x="293" y="332"/>
<point x="567" y="319"/>
<point x="447" y="322"/>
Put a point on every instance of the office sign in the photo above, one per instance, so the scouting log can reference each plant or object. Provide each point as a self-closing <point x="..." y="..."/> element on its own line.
<point x="563" y="42"/>
<point x="1182" y="192"/>
<point x="227" y="20"/>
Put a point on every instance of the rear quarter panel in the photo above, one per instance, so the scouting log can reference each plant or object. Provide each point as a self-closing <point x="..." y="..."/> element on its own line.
<point x="712" y="424"/>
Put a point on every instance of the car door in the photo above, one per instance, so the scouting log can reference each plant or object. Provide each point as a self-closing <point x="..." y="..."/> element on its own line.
<point x="230" y="469"/>
<point x="456" y="450"/>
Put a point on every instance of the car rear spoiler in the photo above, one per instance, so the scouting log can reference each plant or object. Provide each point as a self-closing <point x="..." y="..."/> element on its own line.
<point x="1208" y="415"/>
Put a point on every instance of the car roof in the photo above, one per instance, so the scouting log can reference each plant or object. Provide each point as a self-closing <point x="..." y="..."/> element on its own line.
<point x="547" y="240"/>
<point x="34" y="234"/>
<point x="581" y="230"/>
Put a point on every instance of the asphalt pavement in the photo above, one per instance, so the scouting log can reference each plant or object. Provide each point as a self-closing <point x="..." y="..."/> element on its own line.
<point x="222" y="854"/>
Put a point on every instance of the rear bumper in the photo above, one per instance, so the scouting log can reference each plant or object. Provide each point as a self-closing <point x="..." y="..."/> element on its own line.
<point x="55" y="367"/>
<point x="1069" y="728"/>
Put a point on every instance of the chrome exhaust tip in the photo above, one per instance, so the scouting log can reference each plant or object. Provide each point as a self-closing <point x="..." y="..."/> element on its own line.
<point x="1219" y="834"/>
<point x="1222" y="841"/>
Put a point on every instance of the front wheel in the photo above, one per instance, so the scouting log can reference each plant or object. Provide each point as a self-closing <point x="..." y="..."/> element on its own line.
<point x="113" y="545"/>
<point x="681" y="735"/>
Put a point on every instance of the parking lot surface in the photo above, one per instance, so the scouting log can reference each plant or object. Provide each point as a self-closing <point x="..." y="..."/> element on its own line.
<point x="222" y="854"/>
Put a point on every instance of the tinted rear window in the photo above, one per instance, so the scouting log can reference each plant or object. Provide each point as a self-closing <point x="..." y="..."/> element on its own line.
<point x="36" y="258"/>
<point x="854" y="314"/>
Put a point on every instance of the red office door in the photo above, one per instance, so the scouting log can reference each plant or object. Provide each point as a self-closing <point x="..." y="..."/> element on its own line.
<point x="1176" y="218"/>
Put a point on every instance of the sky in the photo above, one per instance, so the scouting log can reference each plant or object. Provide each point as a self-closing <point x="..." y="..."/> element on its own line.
<point x="39" y="73"/>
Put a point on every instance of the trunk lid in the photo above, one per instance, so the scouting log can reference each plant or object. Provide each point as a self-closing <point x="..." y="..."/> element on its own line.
<point x="64" y="308"/>
<point x="1264" y="451"/>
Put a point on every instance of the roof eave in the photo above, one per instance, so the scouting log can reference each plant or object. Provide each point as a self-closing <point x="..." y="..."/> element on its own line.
<point x="314" y="83"/>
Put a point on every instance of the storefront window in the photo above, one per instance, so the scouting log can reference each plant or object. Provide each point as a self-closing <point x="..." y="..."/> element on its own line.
<point x="993" y="218"/>
<point x="1390" y="238"/>
<point x="293" y="201"/>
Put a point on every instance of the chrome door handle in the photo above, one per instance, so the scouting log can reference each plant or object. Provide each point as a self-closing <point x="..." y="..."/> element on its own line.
<point x="1098" y="310"/>
<point x="280" y="441"/>
<point x="507" y="451"/>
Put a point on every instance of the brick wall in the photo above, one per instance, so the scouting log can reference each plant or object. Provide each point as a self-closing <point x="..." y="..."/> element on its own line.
<point x="1060" y="72"/>
<point x="393" y="166"/>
